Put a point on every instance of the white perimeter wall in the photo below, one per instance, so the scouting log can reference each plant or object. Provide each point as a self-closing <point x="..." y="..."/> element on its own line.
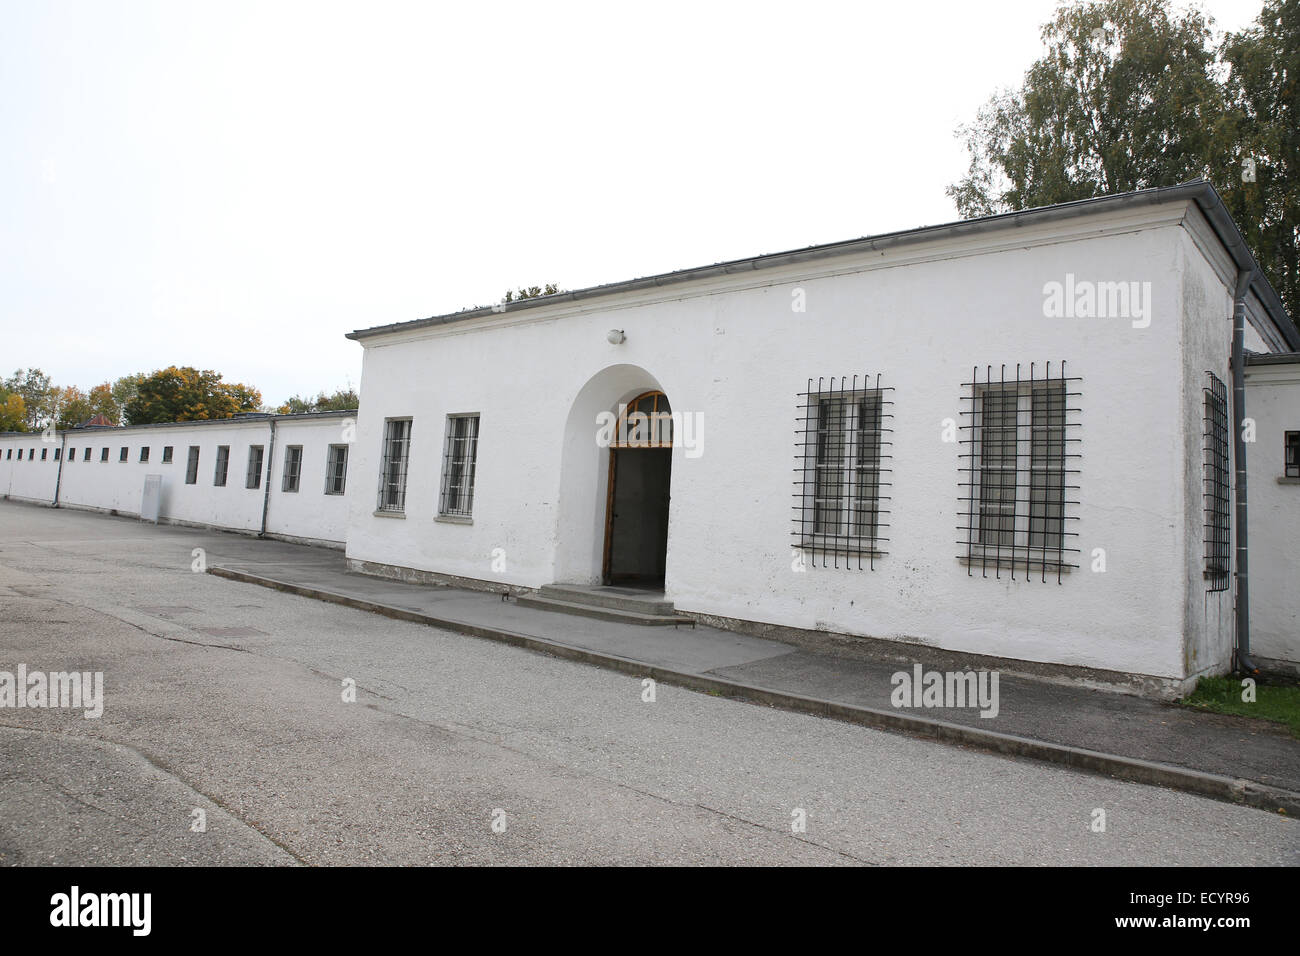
<point x="733" y="351"/>
<point x="117" y="486"/>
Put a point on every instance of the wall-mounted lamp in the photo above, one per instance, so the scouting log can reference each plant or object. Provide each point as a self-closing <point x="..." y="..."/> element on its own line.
<point x="615" y="337"/>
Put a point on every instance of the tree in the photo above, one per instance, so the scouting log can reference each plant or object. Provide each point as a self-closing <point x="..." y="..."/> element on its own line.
<point x="341" y="400"/>
<point x="1263" y="90"/>
<point x="34" y="387"/>
<point x="103" y="403"/>
<point x="69" y="406"/>
<point x="187" y="394"/>
<point x="1130" y="95"/>
<point x="13" y="411"/>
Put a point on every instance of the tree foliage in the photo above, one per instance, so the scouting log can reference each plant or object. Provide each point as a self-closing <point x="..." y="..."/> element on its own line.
<point x="187" y="394"/>
<point x="1131" y="94"/>
<point x="341" y="400"/>
<point x="531" y="292"/>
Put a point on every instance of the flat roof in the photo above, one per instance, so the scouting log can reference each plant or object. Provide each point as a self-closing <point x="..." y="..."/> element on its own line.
<point x="1199" y="190"/>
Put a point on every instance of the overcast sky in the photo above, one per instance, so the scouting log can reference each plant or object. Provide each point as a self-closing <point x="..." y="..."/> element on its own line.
<point x="235" y="185"/>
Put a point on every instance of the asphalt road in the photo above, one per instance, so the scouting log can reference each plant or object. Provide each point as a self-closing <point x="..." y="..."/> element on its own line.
<point x="228" y="698"/>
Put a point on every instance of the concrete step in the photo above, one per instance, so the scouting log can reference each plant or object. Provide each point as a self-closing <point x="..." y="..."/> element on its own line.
<point x="620" y="599"/>
<point x="602" y="613"/>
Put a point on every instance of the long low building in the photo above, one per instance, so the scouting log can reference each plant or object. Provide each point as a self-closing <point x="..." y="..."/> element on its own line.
<point x="280" y="475"/>
<point x="1015" y="437"/>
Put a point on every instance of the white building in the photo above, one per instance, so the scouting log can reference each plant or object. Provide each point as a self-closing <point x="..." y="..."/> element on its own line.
<point x="1009" y="437"/>
<point x="281" y="475"/>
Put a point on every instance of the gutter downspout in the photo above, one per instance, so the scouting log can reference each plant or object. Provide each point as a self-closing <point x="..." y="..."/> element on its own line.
<point x="266" y="497"/>
<point x="1242" y="656"/>
<point x="58" y="478"/>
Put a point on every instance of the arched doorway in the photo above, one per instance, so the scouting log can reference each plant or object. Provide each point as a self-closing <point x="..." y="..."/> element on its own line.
<point x="638" y="492"/>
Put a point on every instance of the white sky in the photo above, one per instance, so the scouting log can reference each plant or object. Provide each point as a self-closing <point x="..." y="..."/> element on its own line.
<point x="234" y="185"/>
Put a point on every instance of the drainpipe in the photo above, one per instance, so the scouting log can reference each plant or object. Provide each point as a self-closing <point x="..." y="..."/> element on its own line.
<point x="1243" y="661"/>
<point x="58" y="478"/>
<point x="266" y="496"/>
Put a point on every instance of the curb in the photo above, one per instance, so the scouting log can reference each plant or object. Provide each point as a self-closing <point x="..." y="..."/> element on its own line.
<point x="1242" y="791"/>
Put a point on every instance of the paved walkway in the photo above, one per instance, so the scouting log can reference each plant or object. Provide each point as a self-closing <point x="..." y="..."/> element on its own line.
<point x="1151" y="741"/>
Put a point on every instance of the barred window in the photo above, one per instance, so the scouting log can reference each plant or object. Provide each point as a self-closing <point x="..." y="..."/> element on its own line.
<point x="1291" y="454"/>
<point x="192" y="466"/>
<point x="1018" y="450"/>
<point x="46" y="451"/>
<point x="392" y="471"/>
<point x="223" y="466"/>
<point x="840" y="513"/>
<point x="1218" y="547"/>
<point x="292" y="467"/>
<point x="459" y="455"/>
<point x="167" y="454"/>
<point x="253" y="474"/>
<point x="336" y="469"/>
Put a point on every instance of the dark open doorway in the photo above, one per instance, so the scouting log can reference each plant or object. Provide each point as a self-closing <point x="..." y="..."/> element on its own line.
<point x="640" y="475"/>
<point x="637" y="538"/>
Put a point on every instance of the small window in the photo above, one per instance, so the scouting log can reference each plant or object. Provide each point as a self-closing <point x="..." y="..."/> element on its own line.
<point x="167" y="454"/>
<point x="85" y="454"/>
<point x="10" y="455"/>
<point x="20" y="454"/>
<point x="336" y="469"/>
<point x="44" y="452"/>
<point x="57" y="452"/>
<point x="1291" y="454"/>
<point x="192" y="466"/>
<point x="392" y="470"/>
<point x="72" y="454"/>
<point x="292" y="467"/>
<point x="103" y="454"/>
<point x="223" y="465"/>
<point x="144" y="453"/>
<point x="254" y="477"/>
<point x="459" y="456"/>
<point x="121" y="455"/>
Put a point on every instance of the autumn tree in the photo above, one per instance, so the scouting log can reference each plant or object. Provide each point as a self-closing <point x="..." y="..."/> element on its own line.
<point x="187" y="394"/>
<point x="13" y="411"/>
<point x="33" y="386"/>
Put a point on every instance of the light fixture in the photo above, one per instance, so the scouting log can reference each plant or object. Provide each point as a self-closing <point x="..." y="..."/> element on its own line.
<point x="615" y="337"/>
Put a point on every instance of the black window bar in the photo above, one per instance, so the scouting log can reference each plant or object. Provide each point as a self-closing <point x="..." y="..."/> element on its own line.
<point x="1018" y="472"/>
<point x="1291" y="454"/>
<point x="1218" y="547"/>
<point x="842" y="471"/>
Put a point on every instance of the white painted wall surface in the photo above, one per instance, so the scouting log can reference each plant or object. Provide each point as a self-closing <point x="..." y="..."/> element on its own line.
<point x="1273" y="401"/>
<point x="117" y="486"/>
<point x="732" y="350"/>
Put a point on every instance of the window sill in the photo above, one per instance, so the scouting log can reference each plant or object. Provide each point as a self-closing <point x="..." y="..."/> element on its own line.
<point x="390" y="514"/>
<point x="1017" y="562"/>
<point x="454" y="519"/>
<point x="1288" y="481"/>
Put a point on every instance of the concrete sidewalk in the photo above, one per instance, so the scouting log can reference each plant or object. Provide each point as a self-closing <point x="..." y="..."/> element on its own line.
<point x="1229" y="758"/>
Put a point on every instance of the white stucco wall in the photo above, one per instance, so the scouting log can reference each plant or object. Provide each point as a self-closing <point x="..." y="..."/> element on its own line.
<point x="1273" y="401"/>
<point x="732" y="350"/>
<point x="117" y="486"/>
